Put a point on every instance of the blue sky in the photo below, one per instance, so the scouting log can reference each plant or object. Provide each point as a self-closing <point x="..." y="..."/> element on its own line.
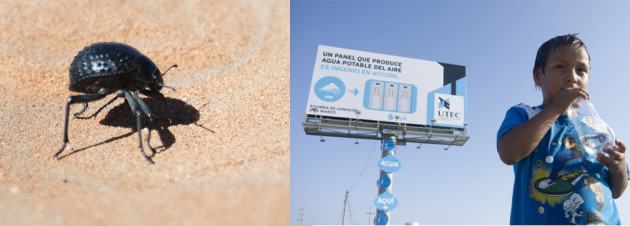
<point x="497" y="42"/>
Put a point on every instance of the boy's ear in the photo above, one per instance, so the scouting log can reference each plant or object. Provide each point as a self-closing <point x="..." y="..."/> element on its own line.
<point x="538" y="76"/>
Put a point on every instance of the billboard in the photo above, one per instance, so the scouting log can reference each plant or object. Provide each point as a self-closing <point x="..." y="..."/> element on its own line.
<point x="356" y="84"/>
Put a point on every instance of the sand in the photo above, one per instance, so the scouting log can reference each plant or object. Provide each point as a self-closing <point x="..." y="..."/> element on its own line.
<point x="222" y="158"/>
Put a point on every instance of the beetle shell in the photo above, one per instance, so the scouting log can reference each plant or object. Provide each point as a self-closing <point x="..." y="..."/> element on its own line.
<point x="101" y="63"/>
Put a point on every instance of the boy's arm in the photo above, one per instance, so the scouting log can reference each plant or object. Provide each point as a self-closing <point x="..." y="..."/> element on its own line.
<point x="618" y="182"/>
<point x="520" y="141"/>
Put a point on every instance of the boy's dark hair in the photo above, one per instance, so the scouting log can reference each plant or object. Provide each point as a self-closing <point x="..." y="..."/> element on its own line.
<point x="552" y="44"/>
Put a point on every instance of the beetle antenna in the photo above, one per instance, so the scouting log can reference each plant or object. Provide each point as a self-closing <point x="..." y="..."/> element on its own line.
<point x="165" y="86"/>
<point x="169" y="68"/>
<point x="162" y="84"/>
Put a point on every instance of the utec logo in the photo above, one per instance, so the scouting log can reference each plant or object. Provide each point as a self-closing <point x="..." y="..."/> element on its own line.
<point x="449" y="109"/>
<point x="444" y="103"/>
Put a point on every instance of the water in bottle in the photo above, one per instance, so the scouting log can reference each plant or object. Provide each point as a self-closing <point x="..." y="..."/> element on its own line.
<point x="594" y="134"/>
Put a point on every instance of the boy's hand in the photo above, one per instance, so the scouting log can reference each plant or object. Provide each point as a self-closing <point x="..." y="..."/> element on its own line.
<point x="616" y="163"/>
<point x="616" y="160"/>
<point x="566" y="97"/>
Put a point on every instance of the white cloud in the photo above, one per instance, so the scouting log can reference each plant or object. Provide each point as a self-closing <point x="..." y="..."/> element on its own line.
<point x="330" y="88"/>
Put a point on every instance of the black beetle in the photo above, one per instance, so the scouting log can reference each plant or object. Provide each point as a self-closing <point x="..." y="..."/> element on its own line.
<point x="104" y="68"/>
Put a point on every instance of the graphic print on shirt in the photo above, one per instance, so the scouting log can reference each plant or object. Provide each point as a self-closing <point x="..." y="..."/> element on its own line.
<point x="571" y="207"/>
<point x="595" y="218"/>
<point x="562" y="185"/>
<point x="552" y="185"/>
<point x="542" y="186"/>
<point x="598" y="189"/>
<point x="557" y="179"/>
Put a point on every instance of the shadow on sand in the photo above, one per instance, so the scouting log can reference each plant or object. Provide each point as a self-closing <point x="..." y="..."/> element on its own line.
<point x="169" y="112"/>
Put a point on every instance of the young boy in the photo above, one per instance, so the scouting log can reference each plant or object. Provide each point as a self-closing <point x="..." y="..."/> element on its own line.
<point x="554" y="183"/>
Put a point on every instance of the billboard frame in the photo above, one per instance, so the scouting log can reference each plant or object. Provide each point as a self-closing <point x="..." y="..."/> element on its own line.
<point x="375" y="130"/>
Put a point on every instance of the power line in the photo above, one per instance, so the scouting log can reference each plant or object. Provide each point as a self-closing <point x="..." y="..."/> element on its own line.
<point x="350" y="213"/>
<point x="364" y="167"/>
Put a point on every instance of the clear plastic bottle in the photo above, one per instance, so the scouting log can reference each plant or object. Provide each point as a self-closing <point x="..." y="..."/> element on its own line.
<point x="594" y="134"/>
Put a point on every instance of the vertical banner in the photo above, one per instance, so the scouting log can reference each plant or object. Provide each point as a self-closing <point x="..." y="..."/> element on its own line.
<point x="386" y="202"/>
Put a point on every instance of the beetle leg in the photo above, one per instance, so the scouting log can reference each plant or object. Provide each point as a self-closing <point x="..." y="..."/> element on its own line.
<point x="157" y="94"/>
<point x="85" y="107"/>
<point x="134" y="108"/>
<point x="147" y="111"/>
<point x="77" y="115"/>
<point x="72" y="100"/>
<point x="143" y="106"/>
<point x="149" y="143"/>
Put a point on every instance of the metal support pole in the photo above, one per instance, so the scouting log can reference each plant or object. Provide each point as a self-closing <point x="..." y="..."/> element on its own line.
<point x="345" y="201"/>
<point x="386" y="140"/>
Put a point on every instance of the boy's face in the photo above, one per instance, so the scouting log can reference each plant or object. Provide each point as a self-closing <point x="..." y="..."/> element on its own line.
<point x="567" y="66"/>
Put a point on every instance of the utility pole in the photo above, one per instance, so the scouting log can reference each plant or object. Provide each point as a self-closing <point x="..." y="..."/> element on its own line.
<point x="300" y="216"/>
<point x="369" y="213"/>
<point x="343" y="218"/>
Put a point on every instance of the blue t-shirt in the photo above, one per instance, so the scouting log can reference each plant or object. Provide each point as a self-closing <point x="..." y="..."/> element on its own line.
<point x="556" y="183"/>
